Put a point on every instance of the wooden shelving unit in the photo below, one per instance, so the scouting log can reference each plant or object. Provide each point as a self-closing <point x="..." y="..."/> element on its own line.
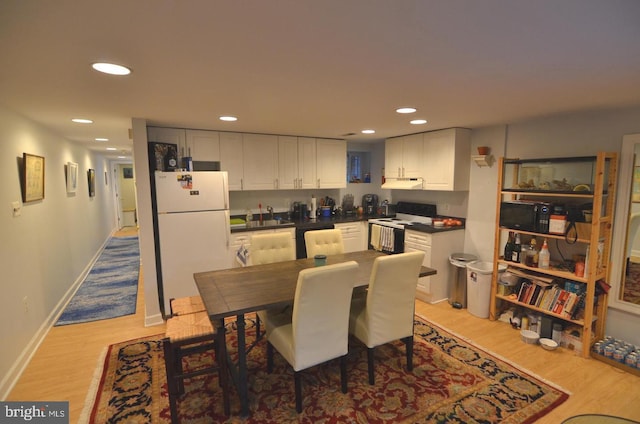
<point x="602" y="197"/>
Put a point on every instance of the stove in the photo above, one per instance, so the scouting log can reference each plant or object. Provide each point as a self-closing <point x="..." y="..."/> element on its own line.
<point x="389" y="237"/>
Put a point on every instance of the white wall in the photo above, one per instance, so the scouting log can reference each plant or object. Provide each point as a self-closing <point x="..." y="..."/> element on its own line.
<point x="47" y="249"/>
<point x="582" y="134"/>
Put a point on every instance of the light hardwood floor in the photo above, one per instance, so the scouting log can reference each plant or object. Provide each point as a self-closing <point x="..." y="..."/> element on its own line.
<point x="63" y="366"/>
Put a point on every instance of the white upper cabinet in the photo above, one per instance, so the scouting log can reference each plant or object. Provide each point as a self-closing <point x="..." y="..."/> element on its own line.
<point x="403" y="156"/>
<point x="231" y="159"/>
<point x="447" y="158"/>
<point x="203" y="145"/>
<point x="331" y="163"/>
<point x="260" y="156"/>
<point x="176" y="136"/>
<point x="307" y="167"/>
<point x="296" y="162"/>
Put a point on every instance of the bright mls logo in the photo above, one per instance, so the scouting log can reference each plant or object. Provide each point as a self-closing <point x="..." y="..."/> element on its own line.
<point x="34" y="412"/>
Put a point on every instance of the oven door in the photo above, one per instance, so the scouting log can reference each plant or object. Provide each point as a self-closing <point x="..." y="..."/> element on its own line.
<point x="383" y="242"/>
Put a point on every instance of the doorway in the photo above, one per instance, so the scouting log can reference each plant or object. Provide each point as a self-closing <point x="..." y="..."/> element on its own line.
<point x="125" y="192"/>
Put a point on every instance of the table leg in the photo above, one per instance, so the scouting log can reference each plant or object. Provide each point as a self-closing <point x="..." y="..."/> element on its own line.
<point x="243" y="390"/>
<point x="221" y="356"/>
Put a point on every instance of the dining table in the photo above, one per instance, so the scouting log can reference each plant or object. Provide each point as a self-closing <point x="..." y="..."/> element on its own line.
<point x="235" y="292"/>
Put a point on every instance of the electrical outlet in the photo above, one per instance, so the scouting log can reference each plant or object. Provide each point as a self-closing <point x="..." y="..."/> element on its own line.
<point x="445" y="207"/>
<point x="25" y="303"/>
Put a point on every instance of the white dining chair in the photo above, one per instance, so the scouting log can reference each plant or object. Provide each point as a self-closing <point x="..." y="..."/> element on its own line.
<point x="316" y="329"/>
<point x="324" y="242"/>
<point x="269" y="248"/>
<point x="386" y="312"/>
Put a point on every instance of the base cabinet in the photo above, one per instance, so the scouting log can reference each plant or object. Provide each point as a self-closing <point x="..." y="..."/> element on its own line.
<point x="354" y="235"/>
<point x="437" y="248"/>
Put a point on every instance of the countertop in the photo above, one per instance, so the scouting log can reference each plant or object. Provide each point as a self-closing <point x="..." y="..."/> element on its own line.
<point x="324" y="221"/>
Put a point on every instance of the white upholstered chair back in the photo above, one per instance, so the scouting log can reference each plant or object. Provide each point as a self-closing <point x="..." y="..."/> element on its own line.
<point x="324" y="242"/>
<point x="390" y="302"/>
<point x="272" y="247"/>
<point x="320" y="319"/>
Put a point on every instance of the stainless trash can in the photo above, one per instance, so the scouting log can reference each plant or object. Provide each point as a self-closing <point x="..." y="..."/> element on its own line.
<point x="458" y="287"/>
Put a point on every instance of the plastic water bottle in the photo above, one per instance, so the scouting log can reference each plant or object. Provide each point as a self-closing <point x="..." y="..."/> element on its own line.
<point x="544" y="256"/>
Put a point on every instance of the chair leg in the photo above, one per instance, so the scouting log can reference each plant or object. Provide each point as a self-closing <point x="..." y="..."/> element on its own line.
<point x="372" y="377"/>
<point x="172" y="386"/>
<point x="298" y="387"/>
<point x="269" y="358"/>
<point x="408" y="341"/>
<point x="257" y="327"/>
<point x="343" y="373"/>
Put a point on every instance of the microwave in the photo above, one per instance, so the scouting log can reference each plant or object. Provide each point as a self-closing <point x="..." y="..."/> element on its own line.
<point x="526" y="216"/>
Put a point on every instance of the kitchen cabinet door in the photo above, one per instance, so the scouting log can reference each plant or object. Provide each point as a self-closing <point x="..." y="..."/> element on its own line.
<point x="203" y="145"/>
<point x="260" y="155"/>
<point x="331" y="163"/>
<point x="307" y="157"/>
<point x="403" y="156"/>
<point x="352" y="236"/>
<point x="177" y="136"/>
<point x="447" y="158"/>
<point x="231" y="159"/>
<point x="287" y="163"/>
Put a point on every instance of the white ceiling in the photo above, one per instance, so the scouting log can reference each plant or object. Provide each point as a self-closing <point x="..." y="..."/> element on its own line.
<point x="320" y="68"/>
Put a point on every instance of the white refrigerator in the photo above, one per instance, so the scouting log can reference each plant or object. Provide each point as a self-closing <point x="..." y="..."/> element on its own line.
<point x="193" y="228"/>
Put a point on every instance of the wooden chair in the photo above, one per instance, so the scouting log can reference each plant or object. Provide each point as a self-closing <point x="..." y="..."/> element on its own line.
<point x="186" y="305"/>
<point x="386" y="312"/>
<point x="324" y="242"/>
<point x="316" y="329"/>
<point x="270" y="248"/>
<point x="187" y="335"/>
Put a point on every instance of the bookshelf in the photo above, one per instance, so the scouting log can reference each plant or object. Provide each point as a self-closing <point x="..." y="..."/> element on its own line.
<point x="574" y="190"/>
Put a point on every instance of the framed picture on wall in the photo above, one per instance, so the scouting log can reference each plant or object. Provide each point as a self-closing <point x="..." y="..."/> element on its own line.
<point x="72" y="177"/>
<point x="91" y="177"/>
<point x="635" y="187"/>
<point x="127" y="172"/>
<point x="32" y="178"/>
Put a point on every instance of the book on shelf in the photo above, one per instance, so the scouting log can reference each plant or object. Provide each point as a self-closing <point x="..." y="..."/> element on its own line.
<point x="558" y="307"/>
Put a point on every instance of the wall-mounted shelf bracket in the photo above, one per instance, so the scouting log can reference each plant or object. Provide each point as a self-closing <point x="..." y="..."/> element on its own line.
<point x="483" y="160"/>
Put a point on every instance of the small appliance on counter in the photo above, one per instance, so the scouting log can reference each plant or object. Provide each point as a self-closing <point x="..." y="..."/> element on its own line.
<point x="298" y="210"/>
<point x="347" y="205"/>
<point x="387" y="209"/>
<point x="370" y="204"/>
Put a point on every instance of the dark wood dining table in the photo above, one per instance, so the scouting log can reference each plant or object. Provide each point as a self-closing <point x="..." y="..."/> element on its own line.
<point x="237" y="291"/>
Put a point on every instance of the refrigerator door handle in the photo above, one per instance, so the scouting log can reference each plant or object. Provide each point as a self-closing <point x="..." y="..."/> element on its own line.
<point x="227" y="225"/>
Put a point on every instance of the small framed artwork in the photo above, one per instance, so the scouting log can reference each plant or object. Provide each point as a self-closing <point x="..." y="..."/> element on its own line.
<point x="32" y="178"/>
<point x="72" y="177"/>
<point x="635" y="189"/>
<point x="127" y="172"/>
<point x="91" y="177"/>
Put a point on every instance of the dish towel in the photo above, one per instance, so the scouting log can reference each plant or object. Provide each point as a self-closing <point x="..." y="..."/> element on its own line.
<point x="242" y="255"/>
<point x="388" y="239"/>
<point x="375" y="237"/>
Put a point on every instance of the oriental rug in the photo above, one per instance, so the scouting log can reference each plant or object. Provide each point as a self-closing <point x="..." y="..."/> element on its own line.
<point x="452" y="381"/>
<point x="110" y="289"/>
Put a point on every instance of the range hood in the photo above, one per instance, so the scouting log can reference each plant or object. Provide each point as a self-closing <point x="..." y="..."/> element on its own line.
<point x="403" y="183"/>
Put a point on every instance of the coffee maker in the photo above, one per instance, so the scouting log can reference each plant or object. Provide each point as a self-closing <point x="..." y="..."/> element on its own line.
<point x="370" y="204"/>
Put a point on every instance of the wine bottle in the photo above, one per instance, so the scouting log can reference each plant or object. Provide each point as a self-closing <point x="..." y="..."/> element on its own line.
<point x="508" y="247"/>
<point x="517" y="249"/>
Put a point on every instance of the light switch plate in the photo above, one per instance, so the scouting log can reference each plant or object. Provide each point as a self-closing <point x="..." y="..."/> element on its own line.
<point x="17" y="208"/>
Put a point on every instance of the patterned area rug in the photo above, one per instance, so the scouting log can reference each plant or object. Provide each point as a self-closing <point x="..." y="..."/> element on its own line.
<point x="110" y="289"/>
<point x="452" y="381"/>
<point x="632" y="284"/>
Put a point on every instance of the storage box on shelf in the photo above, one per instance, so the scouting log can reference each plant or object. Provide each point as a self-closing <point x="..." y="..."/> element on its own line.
<point x="578" y="194"/>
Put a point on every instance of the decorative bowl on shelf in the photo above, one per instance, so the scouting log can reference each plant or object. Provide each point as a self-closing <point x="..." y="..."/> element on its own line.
<point x="548" y="344"/>
<point x="529" y="337"/>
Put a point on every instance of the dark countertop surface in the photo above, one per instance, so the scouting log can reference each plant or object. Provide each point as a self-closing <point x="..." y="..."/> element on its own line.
<point x="322" y="222"/>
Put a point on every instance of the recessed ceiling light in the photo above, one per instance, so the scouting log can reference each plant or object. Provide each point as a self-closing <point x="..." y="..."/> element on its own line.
<point x="111" y="148"/>
<point x="102" y="139"/>
<point x="111" y="68"/>
<point x="228" y="118"/>
<point x="406" y="110"/>
<point x="368" y="131"/>
<point x="122" y="157"/>
<point x="82" y="121"/>
<point x="418" y="121"/>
